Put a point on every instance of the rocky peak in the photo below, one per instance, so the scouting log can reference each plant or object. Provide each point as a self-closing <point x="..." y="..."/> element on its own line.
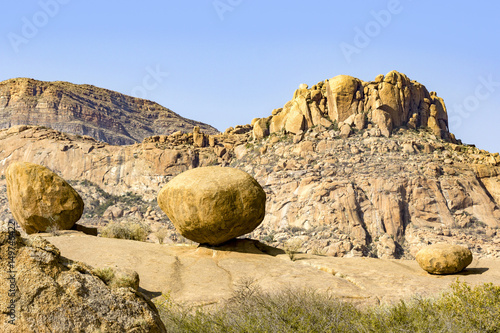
<point x="389" y="101"/>
<point x="88" y="110"/>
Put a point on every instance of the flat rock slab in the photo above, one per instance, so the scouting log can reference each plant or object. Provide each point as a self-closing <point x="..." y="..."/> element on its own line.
<point x="204" y="276"/>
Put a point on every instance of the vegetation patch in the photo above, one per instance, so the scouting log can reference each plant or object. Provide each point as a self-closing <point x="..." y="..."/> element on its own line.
<point x="462" y="309"/>
<point x="126" y="230"/>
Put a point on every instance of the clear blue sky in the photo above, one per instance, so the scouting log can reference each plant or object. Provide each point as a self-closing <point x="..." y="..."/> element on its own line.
<point x="225" y="62"/>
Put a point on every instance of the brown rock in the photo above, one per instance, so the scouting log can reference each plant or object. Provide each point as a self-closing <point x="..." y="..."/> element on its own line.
<point x="434" y="126"/>
<point x="213" y="205"/>
<point x="444" y="258"/>
<point x="341" y="92"/>
<point x="383" y="120"/>
<point x="360" y="121"/>
<point x="260" y="128"/>
<point x="40" y="199"/>
<point x="55" y="294"/>
<point x="295" y="123"/>
<point x="345" y="131"/>
<point x="199" y="139"/>
<point x="408" y="148"/>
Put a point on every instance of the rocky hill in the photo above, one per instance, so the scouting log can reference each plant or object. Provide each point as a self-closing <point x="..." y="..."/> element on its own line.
<point x="350" y="168"/>
<point x="87" y="110"/>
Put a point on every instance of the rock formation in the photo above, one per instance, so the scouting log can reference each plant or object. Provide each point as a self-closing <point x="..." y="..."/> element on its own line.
<point x="39" y="199"/>
<point x="212" y="205"/>
<point x="49" y="293"/>
<point x="87" y="110"/>
<point x="444" y="258"/>
<point x="383" y="191"/>
<point x="389" y="101"/>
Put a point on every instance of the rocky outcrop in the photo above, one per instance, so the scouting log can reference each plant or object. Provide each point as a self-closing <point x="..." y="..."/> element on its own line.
<point x="48" y="293"/>
<point x="212" y="205"/>
<point x="87" y="110"/>
<point x="444" y="258"/>
<point x="367" y="194"/>
<point x="389" y="101"/>
<point x="341" y="196"/>
<point x="41" y="200"/>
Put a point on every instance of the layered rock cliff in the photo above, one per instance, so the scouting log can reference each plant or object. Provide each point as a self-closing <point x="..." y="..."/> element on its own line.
<point x="336" y="192"/>
<point x="87" y="110"/>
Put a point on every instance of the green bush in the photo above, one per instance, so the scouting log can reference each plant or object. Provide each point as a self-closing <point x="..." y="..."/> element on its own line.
<point x="126" y="230"/>
<point x="463" y="309"/>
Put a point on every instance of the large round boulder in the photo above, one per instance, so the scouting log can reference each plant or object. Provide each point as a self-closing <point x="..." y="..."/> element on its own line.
<point x="444" y="258"/>
<point x="212" y="205"/>
<point x="39" y="199"/>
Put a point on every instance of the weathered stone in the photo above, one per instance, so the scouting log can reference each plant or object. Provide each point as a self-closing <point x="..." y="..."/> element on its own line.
<point x="341" y="92"/>
<point x="295" y="123"/>
<point x="444" y="258"/>
<point x="199" y="139"/>
<point x="113" y="212"/>
<point x="54" y="294"/>
<point x="383" y="120"/>
<point x="240" y="151"/>
<point x="360" y="121"/>
<point x="260" y="128"/>
<point x="39" y="199"/>
<point x="345" y="131"/>
<point x="408" y="148"/>
<point x="213" y="205"/>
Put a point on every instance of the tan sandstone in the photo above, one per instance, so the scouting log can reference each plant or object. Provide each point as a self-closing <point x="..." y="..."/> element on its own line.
<point x="444" y="258"/>
<point x="212" y="205"/>
<point x="39" y="199"/>
<point x="55" y="294"/>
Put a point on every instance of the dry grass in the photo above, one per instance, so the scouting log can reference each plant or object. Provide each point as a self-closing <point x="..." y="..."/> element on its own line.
<point x="461" y="309"/>
<point x="126" y="230"/>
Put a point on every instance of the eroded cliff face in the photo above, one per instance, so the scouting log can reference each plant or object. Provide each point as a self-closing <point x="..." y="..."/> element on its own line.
<point x="87" y="110"/>
<point x="365" y="195"/>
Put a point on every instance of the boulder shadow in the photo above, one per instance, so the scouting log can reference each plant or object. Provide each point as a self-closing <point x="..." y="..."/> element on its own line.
<point x="149" y="294"/>
<point x="245" y="245"/>
<point x="473" y="271"/>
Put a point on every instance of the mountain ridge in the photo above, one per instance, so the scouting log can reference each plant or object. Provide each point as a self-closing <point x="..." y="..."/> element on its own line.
<point x="85" y="109"/>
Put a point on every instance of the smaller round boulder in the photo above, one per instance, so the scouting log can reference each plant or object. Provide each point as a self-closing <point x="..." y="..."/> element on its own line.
<point x="212" y="205"/>
<point x="444" y="258"/>
<point x="39" y="199"/>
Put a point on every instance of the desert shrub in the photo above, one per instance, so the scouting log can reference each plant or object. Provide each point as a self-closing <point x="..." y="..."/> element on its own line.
<point x="53" y="230"/>
<point x="126" y="230"/>
<point x="251" y="310"/>
<point x="124" y="282"/>
<point x="292" y="247"/>
<point x="475" y="309"/>
<point x="108" y="276"/>
<point x="161" y="234"/>
<point x="105" y="274"/>
<point x="463" y="309"/>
